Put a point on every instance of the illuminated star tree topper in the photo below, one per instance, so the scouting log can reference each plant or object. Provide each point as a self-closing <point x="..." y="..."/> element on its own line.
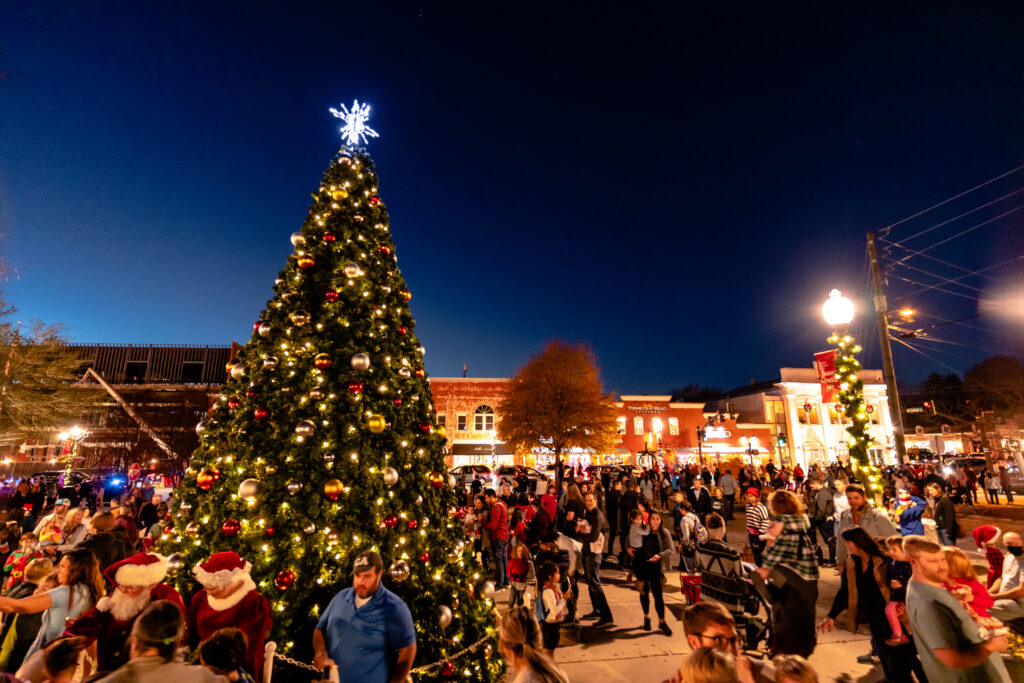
<point x="355" y="128"/>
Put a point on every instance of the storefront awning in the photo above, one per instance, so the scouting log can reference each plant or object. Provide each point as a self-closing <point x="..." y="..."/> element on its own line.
<point x="481" y="449"/>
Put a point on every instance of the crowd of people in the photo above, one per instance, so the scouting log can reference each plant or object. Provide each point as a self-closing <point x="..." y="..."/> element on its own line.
<point x="799" y="524"/>
<point x="85" y="599"/>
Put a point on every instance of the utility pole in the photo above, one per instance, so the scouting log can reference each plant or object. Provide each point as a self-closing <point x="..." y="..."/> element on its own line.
<point x="881" y="308"/>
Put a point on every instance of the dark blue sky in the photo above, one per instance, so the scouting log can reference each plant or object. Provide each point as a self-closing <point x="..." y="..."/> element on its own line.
<point x="679" y="190"/>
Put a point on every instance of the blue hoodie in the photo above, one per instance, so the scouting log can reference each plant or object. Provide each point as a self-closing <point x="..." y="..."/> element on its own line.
<point x="910" y="519"/>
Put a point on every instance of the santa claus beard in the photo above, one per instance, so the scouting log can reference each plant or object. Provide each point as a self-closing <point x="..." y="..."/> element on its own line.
<point x="122" y="606"/>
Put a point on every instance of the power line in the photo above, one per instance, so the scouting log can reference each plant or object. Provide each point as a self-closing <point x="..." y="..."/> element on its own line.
<point x="935" y="287"/>
<point x="914" y="252"/>
<point x="964" y="232"/>
<point x="965" y="213"/>
<point x="885" y="231"/>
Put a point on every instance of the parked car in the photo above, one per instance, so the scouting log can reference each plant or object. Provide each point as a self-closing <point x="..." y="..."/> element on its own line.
<point x="467" y="473"/>
<point x="511" y="471"/>
<point x="597" y="471"/>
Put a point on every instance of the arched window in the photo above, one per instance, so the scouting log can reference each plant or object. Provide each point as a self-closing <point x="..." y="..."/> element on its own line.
<point x="483" y="419"/>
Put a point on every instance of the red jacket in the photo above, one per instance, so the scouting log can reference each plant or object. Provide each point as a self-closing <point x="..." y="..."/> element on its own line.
<point x="497" y="524"/>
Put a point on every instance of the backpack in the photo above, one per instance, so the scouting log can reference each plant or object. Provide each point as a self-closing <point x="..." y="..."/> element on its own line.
<point x="700" y="532"/>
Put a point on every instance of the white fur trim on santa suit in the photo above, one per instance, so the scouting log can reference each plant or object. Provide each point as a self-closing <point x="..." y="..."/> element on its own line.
<point x="222" y="604"/>
<point x="222" y="569"/>
<point x="141" y="574"/>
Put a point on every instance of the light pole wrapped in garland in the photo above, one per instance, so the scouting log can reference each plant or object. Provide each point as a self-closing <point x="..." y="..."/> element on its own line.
<point x="838" y="312"/>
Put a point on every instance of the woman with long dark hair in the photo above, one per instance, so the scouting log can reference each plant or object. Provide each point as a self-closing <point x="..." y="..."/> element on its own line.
<point x="657" y="551"/>
<point x="864" y="594"/>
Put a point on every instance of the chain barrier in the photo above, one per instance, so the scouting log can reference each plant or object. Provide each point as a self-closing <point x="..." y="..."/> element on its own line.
<point x="295" y="662"/>
<point x="417" y="670"/>
<point x="470" y="648"/>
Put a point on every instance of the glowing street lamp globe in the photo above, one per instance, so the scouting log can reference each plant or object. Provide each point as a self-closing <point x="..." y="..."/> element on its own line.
<point x="838" y="310"/>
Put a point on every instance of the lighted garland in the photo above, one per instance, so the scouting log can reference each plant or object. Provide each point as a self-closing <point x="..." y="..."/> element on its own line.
<point x="851" y="398"/>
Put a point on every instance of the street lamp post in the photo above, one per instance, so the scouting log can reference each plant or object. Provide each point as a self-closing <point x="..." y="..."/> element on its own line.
<point x="838" y="312"/>
<point x="74" y="438"/>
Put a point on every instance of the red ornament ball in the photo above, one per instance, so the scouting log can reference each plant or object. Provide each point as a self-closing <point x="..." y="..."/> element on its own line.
<point x="207" y="477"/>
<point x="284" y="579"/>
<point x="402" y="330"/>
<point x="398" y="401"/>
<point x="407" y="295"/>
<point x="436" y="479"/>
<point x="269" y="531"/>
<point x="426" y="428"/>
<point x="250" y="393"/>
<point x="390" y="521"/>
<point x="374" y="200"/>
<point x="425" y="558"/>
<point x="256" y="325"/>
<point x="421" y="373"/>
<point x="233" y="403"/>
<point x="328" y="237"/>
<point x="355" y="386"/>
<point x="448" y="670"/>
<point x="384" y="249"/>
<point x="261" y="414"/>
<point x="331" y="295"/>
<point x="413" y="523"/>
<point x="322" y="361"/>
<point x="231" y="528"/>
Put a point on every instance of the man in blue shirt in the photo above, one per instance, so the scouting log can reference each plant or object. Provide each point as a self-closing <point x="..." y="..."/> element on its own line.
<point x="366" y="630"/>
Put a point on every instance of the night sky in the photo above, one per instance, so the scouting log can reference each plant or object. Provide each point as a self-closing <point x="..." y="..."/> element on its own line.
<point x="678" y="190"/>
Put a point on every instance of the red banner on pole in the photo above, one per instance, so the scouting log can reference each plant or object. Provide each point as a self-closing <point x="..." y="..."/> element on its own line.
<point x="825" y="363"/>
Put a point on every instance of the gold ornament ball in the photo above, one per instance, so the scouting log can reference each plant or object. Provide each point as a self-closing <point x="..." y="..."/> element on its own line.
<point x="192" y="530"/>
<point x="306" y="262"/>
<point x="299" y="318"/>
<point x="376" y="424"/>
<point x="339" y="194"/>
<point x="488" y="650"/>
<point x="333" y="488"/>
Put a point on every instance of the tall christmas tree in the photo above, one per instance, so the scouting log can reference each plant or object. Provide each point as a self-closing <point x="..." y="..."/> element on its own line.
<point x="324" y="443"/>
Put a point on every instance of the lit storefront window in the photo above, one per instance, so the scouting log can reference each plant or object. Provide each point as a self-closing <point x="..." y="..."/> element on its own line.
<point x="638" y="425"/>
<point x="673" y="426"/>
<point x="620" y="425"/>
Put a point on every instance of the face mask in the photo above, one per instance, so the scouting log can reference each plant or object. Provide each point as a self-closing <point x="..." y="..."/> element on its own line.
<point x="1015" y="550"/>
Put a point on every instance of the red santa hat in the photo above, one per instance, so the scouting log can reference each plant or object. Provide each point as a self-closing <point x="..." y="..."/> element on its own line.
<point x="986" y="534"/>
<point x="222" y="569"/>
<point x="141" y="569"/>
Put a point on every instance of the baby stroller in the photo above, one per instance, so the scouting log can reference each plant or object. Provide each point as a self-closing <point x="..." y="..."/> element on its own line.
<point x="725" y="579"/>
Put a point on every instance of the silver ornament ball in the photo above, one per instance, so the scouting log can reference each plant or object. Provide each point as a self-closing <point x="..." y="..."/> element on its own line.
<point x="444" y="616"/>
<point x="390" y="476"/>
<point x="248" y="489"/>
<point x="238" y="370"/>
<point x="297" y="239"/>
<point x="404" y="373"/>
<point x="310" y="528"/>
<point x="269" y="363"/>
<point x="399" y="570"/>
<point x="293" y="487"/>
<point x="264" y="329"/>
<point x="174" y="562"/>
<point x="271" y="469"/>
<point x="316" y="393"/>
<point x="352" y="269"/>
<point x="201" y="427"/>
<point x="487" y="589"/>
<point x="299" y="318"/>
<point x="360" y="361"/>
<point x="305" y="428"/>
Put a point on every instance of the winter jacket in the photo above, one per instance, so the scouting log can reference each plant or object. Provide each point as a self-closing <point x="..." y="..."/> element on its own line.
<point x="910" y="518"/>
<point x="874" y="521"/>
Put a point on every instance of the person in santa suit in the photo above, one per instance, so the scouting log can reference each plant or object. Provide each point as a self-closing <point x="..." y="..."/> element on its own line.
<point x="137" y="582"/>
<point x="229" y="598"/>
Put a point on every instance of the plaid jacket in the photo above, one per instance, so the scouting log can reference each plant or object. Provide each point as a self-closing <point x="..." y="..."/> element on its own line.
<point x="793" y="548"/>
